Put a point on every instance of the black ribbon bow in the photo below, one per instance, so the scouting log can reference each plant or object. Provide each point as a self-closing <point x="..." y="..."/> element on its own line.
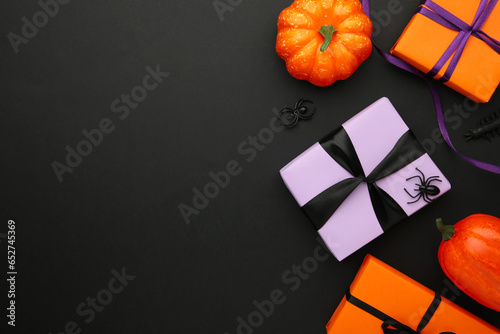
<point x="339" y="146"/>
<point x="392" y="326"/>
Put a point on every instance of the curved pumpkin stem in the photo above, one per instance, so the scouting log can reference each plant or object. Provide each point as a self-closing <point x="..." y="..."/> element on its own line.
<point x="327" y="32"/>
<point x="446" y="230"/>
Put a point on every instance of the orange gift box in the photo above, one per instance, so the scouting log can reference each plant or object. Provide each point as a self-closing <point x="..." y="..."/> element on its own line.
<point x="391" y="294"/>
<point x="424" y="41"/>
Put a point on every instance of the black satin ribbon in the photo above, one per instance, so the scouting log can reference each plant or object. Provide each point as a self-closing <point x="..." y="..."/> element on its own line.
<point x="392" y="326"/>
<point x="339" y="146"/>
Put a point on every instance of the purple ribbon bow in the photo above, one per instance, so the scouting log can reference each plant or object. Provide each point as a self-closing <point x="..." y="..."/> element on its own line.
<point x="440" y="15"/>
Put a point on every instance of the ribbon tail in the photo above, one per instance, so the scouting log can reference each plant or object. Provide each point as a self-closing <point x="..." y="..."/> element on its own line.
<point x="444" y="132"/>
<point x="387" y="210"/>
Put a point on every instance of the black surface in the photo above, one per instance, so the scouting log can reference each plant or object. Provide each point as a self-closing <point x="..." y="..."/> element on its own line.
<point x="119" y="207"/>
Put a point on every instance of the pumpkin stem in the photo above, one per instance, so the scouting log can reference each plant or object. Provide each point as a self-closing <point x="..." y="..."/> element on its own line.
<point x="327" y="32"/>
<point x="446" y="230"/>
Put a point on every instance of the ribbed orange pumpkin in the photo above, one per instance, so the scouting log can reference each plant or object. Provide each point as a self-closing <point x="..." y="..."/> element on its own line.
<point x="470" y="256"/>
<point x="323" y="41"/>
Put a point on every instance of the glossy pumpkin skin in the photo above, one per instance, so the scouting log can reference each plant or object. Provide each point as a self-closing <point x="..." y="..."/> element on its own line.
<point x="471" y="258"/>
<point x="299" y="40"/>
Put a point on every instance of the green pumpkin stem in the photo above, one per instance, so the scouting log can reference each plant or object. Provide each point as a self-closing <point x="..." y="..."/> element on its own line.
<point x="327" y="32"/>
<point x="446" y="230"/>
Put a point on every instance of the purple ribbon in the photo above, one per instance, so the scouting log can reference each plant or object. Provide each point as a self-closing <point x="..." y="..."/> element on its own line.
<point x="481" y="17"/>
<point x="440" y="15"/>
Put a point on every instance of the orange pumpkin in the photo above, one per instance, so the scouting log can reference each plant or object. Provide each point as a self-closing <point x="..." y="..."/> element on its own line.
<point x="470" y="256"/>
<point x="323" y="41"/>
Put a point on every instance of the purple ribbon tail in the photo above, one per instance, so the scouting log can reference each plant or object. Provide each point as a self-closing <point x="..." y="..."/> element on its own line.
<point x="437" y="101"/>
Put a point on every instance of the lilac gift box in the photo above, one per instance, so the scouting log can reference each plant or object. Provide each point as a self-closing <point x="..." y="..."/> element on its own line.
<point x="354" y="183"/>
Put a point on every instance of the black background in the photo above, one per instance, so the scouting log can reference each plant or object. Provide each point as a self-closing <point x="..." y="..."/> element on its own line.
<point x="119" y="207"/>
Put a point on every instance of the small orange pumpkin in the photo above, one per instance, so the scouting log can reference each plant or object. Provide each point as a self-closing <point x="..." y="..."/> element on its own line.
<point x="470" y="256"/>
<point x="323" y="41"/>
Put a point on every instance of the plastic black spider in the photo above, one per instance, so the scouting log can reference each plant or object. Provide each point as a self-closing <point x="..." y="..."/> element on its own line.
<point x="486" y="128"/>
<point x="425" y="189"/>
<point x="290" y="117"/>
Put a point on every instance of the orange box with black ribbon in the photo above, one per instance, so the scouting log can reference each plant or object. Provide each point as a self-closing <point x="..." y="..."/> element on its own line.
<point x="383" y="300"/>
<point x="456" y="42"/>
